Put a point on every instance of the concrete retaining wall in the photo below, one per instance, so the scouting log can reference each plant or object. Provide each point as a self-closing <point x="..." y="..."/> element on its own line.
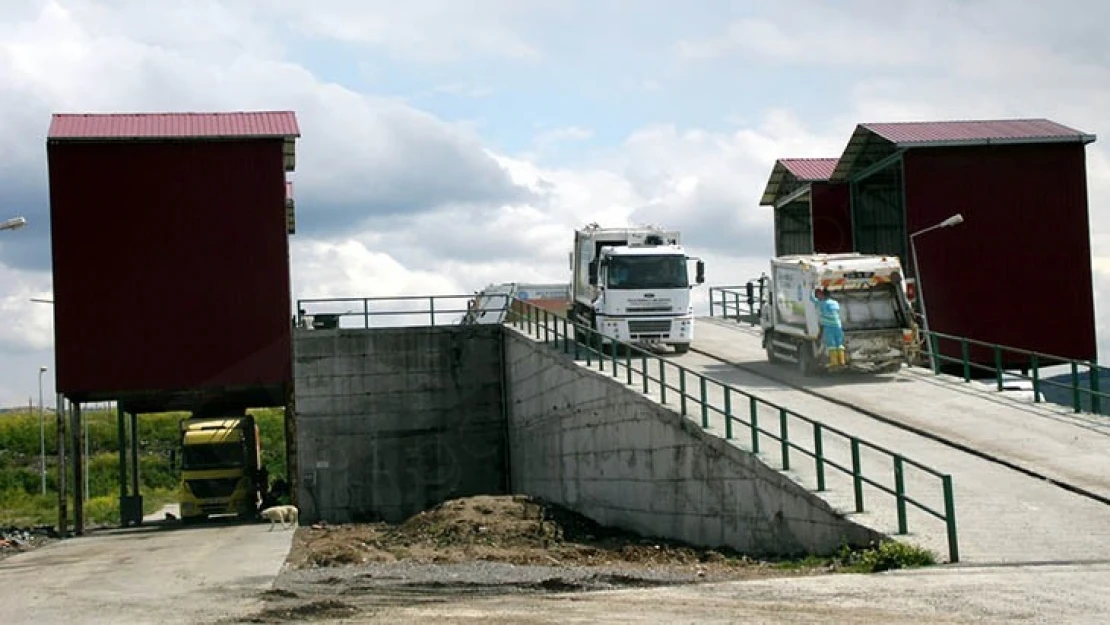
<point x="592" y="444"/>
<point x="393" y="421"/>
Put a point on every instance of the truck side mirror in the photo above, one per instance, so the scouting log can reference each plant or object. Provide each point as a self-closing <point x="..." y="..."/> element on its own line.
<point x="593" y="273"/>
<point x="700" y="277"/>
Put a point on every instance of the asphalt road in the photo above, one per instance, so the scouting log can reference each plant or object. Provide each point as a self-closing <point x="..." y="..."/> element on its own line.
<point x="151" y="574"/>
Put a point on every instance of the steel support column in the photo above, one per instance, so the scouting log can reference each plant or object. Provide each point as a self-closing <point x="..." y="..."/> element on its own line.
<point x="60" y="421"/>
<point x="78" y="470"/>
<point x="122" y="431"/>
<point x="135" y="456"/>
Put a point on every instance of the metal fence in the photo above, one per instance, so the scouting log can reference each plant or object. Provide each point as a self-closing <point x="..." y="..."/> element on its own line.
<point x="744" y="303"/>
<point x="790" y="432"/>
<point x="398" y="311"/>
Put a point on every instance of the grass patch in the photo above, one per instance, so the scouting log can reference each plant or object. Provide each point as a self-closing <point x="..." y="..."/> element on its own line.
<point x="23" y="504"/>
<point x="885" y="556"/>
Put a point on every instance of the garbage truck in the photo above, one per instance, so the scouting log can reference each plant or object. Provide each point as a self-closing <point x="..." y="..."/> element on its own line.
<point x="880" y="331"/>
<point x="632" y="285"/>
<point x="221" y="466"/>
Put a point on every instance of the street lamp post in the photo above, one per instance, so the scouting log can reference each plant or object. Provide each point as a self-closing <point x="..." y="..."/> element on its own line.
<point x="954" y="220"/>
<point x="15" y="223"/>
<point x="42" y="432"/>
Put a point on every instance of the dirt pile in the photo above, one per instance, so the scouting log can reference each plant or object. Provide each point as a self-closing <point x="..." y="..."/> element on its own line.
<point x="15" y="540"/>
<point x="513" y="529"/>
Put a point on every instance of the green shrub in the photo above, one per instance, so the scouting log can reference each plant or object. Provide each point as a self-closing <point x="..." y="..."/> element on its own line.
<point x="887" y="555"/>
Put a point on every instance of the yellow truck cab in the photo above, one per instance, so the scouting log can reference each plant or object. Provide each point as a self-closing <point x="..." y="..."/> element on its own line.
<point x="220" y="463"/>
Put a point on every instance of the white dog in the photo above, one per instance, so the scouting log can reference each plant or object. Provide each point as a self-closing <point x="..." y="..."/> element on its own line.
<point x="288" y="515"/>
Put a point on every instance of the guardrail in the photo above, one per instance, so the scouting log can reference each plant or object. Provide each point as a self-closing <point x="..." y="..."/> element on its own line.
<point x="1037" y="361"/>
<point x="741" y="302"/>
<point x="744" y="302"/>
<point x="570" y="337"/>
<point x="414" y="309"/>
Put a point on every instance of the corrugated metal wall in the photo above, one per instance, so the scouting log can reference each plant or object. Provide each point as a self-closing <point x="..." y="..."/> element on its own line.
<point x="1018" y="270"/>
<point x="832" y="218"/>
<point x="793" y="233"/>
<point x="171" y="266"/>
<point x="877" y="217"/>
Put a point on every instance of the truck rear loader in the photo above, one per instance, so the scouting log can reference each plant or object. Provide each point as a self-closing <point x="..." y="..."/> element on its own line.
<point x="880" y="333"/>
<point x="632" y="285"/>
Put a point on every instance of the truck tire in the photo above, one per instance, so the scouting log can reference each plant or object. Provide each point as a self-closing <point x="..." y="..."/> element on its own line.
<point x="681" y="348"/>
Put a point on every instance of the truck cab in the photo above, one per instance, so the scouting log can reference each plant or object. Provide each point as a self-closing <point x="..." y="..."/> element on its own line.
<point x="633" y="285"/>
<point x="220" y="461"/>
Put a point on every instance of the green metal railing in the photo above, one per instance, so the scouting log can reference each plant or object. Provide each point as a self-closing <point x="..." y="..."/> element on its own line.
<point x="579" y="341"/>
<point x="741" y="302"/>
<point x="1037" y="361"/>
<point x="407" y="309"/>
<point x="744" y="303"/>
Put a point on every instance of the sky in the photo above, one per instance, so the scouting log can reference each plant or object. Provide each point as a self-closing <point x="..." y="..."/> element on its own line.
<point x="448" y="145"/>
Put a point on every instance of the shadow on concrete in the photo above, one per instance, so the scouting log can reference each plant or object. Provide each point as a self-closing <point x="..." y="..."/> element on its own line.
<point x="163" y="525"/>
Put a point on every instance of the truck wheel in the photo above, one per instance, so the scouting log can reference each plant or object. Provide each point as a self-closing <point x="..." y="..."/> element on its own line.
<point x="681" y="348"/>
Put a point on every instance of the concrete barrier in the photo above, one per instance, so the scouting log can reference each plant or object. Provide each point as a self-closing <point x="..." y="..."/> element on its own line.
<point x="393" y="421"/>
<point x="587" y="441"/>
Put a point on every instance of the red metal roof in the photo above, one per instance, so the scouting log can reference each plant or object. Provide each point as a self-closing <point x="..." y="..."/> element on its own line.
<point x="124" y="126"/>
<point x="810" y="169"/>
<point x="910" y="133"/>
<point x="884" y="140"/>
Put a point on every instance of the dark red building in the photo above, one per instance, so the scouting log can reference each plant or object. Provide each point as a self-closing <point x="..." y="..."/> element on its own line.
<point x="811" y="213"/>
<point x="1017" y="271"/>
<point x="171" y="258"/>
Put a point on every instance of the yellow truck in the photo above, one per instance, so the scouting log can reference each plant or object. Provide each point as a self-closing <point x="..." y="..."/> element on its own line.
<point x="221" y="471"/>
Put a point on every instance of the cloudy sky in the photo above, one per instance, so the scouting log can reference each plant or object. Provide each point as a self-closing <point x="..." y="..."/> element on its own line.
<point x="449" y="144"/>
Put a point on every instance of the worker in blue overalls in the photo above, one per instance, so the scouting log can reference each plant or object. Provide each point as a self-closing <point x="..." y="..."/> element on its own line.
<point x="829" y="319"/>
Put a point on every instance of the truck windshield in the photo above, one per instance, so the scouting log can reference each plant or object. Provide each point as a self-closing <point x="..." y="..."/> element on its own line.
<point x="220" y="456"/>
<point x="648" y="272"/>
<point x="869" y="309"/>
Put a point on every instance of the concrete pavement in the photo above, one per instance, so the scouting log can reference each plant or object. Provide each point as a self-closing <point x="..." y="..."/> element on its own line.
<point x="149" y="574"/>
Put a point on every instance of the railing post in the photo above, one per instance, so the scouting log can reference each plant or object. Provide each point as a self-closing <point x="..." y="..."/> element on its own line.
<point x="366" y="313"/>
<point x="753" y="414"/>
<point x="857" y="475"/>
<point x="711" y="302"/>
<point x="432" y="308"/>
<point x="546" y="327"/>
<point x="950" y="520"/>
<point x="736" y="297"/>
<point x="644" y="373"/>
<point x="900" y="494"/>
<point x="819" y="456"/>
<point x="934" y="353"/>
<point x="998" y="366"/>
<point x="613" y="353"/>
<point x="1076" y="397"/>
<point x="704" y="403"/>
<point x="588" y="343"/>
<point x="566" y="335"/>
<point x="1096" y="392"/>
<point x="662" y="381"/>
<point x="728" y="413"/>
<point x="1034" y="364"/>
<point x="682" y="389"/>
<point x="965" y="351"/>
<point x="628" y="365"/>
<point x="784" y="437"/>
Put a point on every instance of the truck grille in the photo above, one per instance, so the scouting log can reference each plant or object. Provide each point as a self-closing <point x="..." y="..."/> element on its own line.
<point x="212" y="488"/>
<point x="656" y="327"/>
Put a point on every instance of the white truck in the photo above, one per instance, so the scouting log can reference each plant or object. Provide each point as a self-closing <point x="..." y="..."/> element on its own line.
<point x="633" y="285"/>
<point x="880" y="332"/>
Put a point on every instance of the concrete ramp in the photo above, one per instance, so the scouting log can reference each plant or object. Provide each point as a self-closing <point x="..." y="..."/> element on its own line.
<point x="595" y="445"/>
